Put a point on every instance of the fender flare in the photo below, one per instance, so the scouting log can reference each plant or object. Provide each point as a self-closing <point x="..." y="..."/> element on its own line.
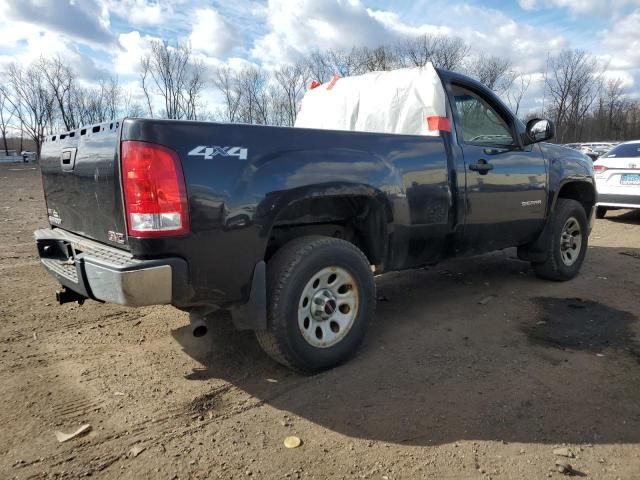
<point x="536" y="250"/>
<point x="326" y="191"/>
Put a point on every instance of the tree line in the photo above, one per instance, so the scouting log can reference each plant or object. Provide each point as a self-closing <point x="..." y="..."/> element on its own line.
<point x="48" y="96"/>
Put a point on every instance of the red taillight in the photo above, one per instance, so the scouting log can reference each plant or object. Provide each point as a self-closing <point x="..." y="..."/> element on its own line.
<point x="599" y="168"/>
<point x="155" y="198"/>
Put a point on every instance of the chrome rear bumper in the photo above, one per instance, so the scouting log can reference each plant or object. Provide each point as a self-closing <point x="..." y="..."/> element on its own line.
<point x="108" y="274"/>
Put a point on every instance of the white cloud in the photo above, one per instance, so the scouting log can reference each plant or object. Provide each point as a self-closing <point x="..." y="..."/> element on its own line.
<point x="211" y="34"/>
<point x="623" y="41"/>
<point x="86" y="20"/>
<point x="580" y="7"/>
<point x="31" y="42"/>
<point x="141" y="12"/>
<point x="527" y="4"/>
<point x="300" y="27"/>
<point x="393" y="22"/>
<point x="623" y="75"/>
<point x="492" y="32"/>
<point x="133" y="47"/>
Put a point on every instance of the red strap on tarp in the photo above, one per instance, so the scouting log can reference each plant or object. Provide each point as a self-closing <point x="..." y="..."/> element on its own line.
<point x="333" y="81"/>
<point x="439" y="123"/>
<point x="314" y="84"/>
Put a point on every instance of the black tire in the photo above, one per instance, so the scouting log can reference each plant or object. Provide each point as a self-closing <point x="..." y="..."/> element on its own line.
<point x="601" y="212"/>
<point x="554" y="267"/>
<point x="288" y="275"/>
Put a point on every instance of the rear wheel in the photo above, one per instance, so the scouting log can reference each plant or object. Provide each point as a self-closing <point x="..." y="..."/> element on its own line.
<point x="601" y="212"/>
<point x="321" y="298"/>
<point x="567" y="242"/>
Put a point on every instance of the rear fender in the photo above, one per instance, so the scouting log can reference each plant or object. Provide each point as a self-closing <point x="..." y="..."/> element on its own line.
<point x="300" y="175"/>
<point x="295" y="176"/>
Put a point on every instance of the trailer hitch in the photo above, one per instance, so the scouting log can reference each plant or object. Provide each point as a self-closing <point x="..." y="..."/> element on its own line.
<point x="66" y="296"/>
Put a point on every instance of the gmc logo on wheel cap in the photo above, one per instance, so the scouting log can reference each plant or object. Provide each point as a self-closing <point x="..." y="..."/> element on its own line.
<point x="209" y="152"/>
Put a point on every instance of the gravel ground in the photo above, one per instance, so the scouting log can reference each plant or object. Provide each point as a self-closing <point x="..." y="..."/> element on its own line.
<point x="473" y="369"/>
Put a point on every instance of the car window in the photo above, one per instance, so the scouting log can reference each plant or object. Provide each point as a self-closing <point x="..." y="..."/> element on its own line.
<point x="624" y="150"/>
<point x="479" y="121"/>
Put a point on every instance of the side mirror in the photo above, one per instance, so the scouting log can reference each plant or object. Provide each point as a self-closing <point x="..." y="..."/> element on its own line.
<point x="539" y="130"/>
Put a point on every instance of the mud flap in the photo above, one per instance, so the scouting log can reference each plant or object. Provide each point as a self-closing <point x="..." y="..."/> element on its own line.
<point x="536" y="251"/>
<point x="253" y="314"/>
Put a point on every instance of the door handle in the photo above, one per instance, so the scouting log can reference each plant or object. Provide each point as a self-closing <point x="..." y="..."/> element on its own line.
<point x="482" y="167"/>
<point x="68" y="159"/>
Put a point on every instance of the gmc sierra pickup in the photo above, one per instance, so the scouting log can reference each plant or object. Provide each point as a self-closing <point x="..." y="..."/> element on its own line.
<point x="285" y="227"/>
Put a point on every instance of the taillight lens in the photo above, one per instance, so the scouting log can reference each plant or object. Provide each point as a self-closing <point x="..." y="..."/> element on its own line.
<point x="154" y="192"/>
<point x="599" y="168"/>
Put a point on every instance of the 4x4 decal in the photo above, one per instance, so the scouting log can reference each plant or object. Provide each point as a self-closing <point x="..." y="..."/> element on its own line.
<point x="209" y="152"/>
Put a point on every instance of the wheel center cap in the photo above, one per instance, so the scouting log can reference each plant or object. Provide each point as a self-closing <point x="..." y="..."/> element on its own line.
<point x="330" y="307"/>
<point x="323" y="305"/>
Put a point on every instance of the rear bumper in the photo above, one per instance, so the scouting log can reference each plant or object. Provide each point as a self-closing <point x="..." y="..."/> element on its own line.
<point x="618" y="200"/>
<point x="107" y="274"/>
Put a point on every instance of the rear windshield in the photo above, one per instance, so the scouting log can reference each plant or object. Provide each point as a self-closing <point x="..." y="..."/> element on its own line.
<point x="624" y="150"/>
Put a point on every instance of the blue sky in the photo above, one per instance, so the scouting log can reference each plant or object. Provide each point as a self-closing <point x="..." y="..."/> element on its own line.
<point x="108" y="37"/>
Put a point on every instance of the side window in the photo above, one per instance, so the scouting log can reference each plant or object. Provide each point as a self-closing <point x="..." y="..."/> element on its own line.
<point x="480" y="123"/>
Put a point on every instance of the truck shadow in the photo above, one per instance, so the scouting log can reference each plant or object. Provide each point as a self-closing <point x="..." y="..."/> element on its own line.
<point x="631" y="217"/>
<point x="470" y="349"/>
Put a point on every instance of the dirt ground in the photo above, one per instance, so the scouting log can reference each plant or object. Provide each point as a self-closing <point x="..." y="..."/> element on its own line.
<point x="473" y="369"/>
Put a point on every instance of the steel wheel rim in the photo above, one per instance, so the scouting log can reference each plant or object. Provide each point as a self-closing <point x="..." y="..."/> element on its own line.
<point x="328" y="307"/>
<point x="570" y="241"/>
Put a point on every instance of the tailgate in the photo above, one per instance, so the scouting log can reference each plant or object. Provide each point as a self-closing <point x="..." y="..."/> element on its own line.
<point x="81" y="181"/>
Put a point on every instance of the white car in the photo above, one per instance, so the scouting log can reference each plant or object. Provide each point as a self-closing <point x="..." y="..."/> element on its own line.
<point x="618" y="178"/>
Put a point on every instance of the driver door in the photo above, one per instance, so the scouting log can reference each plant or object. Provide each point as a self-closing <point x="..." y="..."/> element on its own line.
<point x="506" y="183"/>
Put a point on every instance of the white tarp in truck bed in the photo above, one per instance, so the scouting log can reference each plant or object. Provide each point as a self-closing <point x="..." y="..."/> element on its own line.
<point x="407" y="101"/>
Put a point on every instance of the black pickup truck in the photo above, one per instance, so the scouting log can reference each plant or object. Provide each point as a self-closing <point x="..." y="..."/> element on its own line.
<point x="286" y="227"/>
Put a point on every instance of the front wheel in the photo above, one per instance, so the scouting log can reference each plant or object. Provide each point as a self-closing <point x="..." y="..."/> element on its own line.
<point x="321" y="298"/>
<point x="567" y="242"/>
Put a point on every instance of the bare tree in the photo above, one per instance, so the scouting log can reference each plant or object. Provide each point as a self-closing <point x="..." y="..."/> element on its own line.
<point x="6" y="115"/>
<point x="494" y="72"/>
<point x="292" y="80"/>
<point x="32" y="101"/>
<point x="134" y="110"/>
<point x="173" y="74"/>
<point x="614" y="103"/>
<point x="374" y="59"/>
<point x="112" y="96"/>
<point x="343" y="62"/>
<point x="319" y="66"/>
<point x="226" y="81"/>
<point x="255" y="101"/>
<point x="97" y="104"/>
<point x="416" y="51"/>
<point x="517" y="91"/>
<point x="573" y="81"/>
<point x="145" y="64"/>
<point x="442" y="51"/>
<point x="61" y="82"/>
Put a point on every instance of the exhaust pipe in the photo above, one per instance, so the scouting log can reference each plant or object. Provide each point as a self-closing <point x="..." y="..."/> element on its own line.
<point x="198" y="327"/>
